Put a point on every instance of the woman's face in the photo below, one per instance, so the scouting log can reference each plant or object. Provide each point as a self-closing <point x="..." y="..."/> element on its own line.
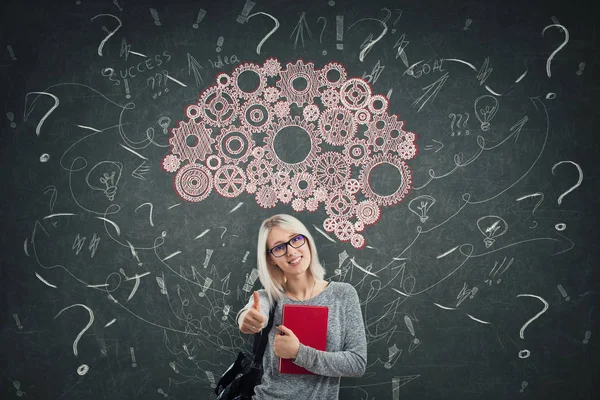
<point x="295" y="261"/>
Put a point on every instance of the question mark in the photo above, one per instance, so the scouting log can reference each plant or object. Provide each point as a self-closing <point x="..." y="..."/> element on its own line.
<point x="396" y="20"/>
<point x="270" y="32"/>
<point x="106" y="30"/>
<point x="29" y="109"/>
<point x="324" y="52"/>
<point x="566" y="32"/>
<point x="536" y="206"/>
<point x="389" y="14"/>
<point x="526" y="353"/>
<point x="83" y="368"/>
<point x="368" y="47"/>
<point x="574" y="186"/>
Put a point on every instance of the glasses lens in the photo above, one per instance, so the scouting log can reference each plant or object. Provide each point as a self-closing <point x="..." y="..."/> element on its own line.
<point x="297" y="241"/>
<point x="278" y="251"/>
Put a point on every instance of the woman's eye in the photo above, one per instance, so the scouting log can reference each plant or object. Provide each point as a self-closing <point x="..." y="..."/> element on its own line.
<point x="279" y="248"/>
<point x="297" y="238"/>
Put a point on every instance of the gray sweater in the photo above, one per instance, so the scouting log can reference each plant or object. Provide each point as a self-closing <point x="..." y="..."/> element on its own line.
<point x="346" y="353"/>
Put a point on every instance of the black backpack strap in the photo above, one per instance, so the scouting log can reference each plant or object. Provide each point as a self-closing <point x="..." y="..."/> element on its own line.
<point x="261" y="339"/>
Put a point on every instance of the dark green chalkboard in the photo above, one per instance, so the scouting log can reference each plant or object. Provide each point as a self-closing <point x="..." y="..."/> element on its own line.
<point x="476" y="268"/>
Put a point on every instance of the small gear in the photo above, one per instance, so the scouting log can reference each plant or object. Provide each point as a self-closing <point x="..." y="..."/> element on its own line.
<point x="367" y="213"/>
<point x="271" y="67"/>
<point x="281" y="180"/>
<point x="256" y="115"/>
<point x="282" y="109"/>
<point x="271" y="94"/>
<point x="298" y="205"/>
<point x="234" y="144"/>
<point x="362" y="116"/>
<point x="218" y="106"/>
<point x="321" y="194"/>
<point x="303" y="184"/>
<point x="385" y="133"/>
<point x="359" y="226"/>
<point x="213" y="162"/>
<point x="285" y="195"/>
<point x="344" y="230"/>
<point x="223" y="80"/>
<point x="352" y="186"/>
<point x="358" y="241"/>
<point x="312" y="204"/>
<point x="171" y="163"/>
<point x="378" y="104"/>
<point x="311" y="112"/>
<point x="262" y="80"/>
<point x="259" y="171"/>
<point x="325" y="74"/>
<point x="299" y="72"/>
<point x="329" y="224"/>
<point x="193" y="182"/>
<point x="229" y="181"/>
<point x="266" y="197"/>
<point x="330" y="98"/>
<point x="355" y="93"/>
<point x="337" y="126"/>
<point x="356" y="152"/>
<point x="340" y="205"/>
<point x="331" y="170"/>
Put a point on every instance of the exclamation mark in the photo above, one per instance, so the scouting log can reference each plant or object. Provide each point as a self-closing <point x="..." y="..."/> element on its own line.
<point x="588" y="335"/>
<point x="116" y="3"/>
<point x="523" y="386"/>
<point x="133" y="363"/>
<point x="211" y="378"/>
<point x="207" y="258"/>
<point x="162" y="392"/>
<point x="16" y="317"/>
<point x="207" y="283"/>
<point x="127" y="95"/>
<point x="220" y="41"/>
<point x="392" y="351"/>
<point x="243" y="17"/>
<point x="226" y="310"/>
<point x="245" y="256"/>
<point x="339" y="31"/>
<point x="155" y="16"/>
<point x="563" y="292"/>
<point x="11" y="118"/>
<point x="395" y="388"/>
<point x="11" y="52"/>
<point x="199" y="18"/>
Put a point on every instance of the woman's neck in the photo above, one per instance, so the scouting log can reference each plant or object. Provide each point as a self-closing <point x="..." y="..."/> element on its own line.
<point x="301" y="288"/>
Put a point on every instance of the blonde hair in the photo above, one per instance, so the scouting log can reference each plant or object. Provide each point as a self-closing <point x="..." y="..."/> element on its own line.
<point x="271" y="276"/>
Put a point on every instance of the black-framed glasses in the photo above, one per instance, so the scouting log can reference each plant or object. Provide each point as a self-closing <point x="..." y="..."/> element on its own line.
<point x="281" y="249"/>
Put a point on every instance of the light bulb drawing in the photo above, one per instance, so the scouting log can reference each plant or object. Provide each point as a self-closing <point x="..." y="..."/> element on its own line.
<point x="420" y="206"/>
<point x="491" y="226"/>
<point x="164" y="122"/>
<point x="104" y="177"/>
<point x="486" y="108"/>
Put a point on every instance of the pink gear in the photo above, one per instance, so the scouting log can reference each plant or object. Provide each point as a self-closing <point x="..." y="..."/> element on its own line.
<point x="271" y="67"/>
<point x="352" y="186"/>
<point x="385" y="133"/>
<point x="235" y="145"/>
<point x="300" y="166"/>
<point x="180" y="137"/>
<point x="298" y="205"/>
<point x="362" y="116"/>
<point x="285" y="195"/>
<point x="251" y="188"/>
<point x="311" y="112"/>
<point x="266" y="197"/>
<point x="355" y="93"/>
<point x="403" y="188"/>
<point x="213" y="162"/>
<point x="295" y="72"/>
<point x="340" y="205"/>
<point x="223" y="80"/>
<point x="282" y="109"/>
<point x="218" y="106"/>
<point x="281" y="180"/>
<point x="321" y="194"/>
<point x="356" y="152"/>
<point x="271" y="94"/>
<point x="378" y="104"/>
<point x="312" y="204"/>
<point x="333" y="67"/>
<point x="259" y="171"/>
<point x="330" y="98"/>
<point x="256" y="115"/>
<point x="337" y="126"/>
<point x="359" y="226"/>
<point x="258" y="152"/>
<point x="262" y="81"/>
<point x="193" y="182"/>
<point x="358" y="241"/>
<point x="329" y="224"/>
<point x="308" y="180"/>
<point x="331" y="170"/>
<point x="229" y="181"/>
<point x="171" y="163"/>
<point x="407" y="150"/>
<point x="367" y="213"/>
<point x="344" y="230"/>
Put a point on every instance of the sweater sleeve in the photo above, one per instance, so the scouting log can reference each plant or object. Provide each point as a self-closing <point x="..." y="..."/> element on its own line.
<point x="352" y="360"/>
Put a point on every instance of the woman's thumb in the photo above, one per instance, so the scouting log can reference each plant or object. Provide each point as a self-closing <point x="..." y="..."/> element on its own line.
<point x="256" y="304"/>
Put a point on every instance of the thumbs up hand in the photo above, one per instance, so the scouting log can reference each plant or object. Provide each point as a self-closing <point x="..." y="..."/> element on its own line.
<point x="253" y="320"/>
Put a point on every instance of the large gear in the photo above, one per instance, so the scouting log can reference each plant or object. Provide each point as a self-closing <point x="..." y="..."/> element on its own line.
<point x="337" y="126"/>
<point x="310" y="158"/>
<point x="385" y="133"/>
<point x="403" y="188"/>
<point x="235" y="145"/>
<point x="229" y="181"/>
<point x="262" y="81"/>
<point x="191" y="130"/>
<point x="218" y="106"/>
<point x="340" y="205"/>
<point x="303" y="179"/>
<point x="299" y="71"/>
<point x="193" y="182"/>
<point x="259" y="171"/>
<point x="331" y="170"/>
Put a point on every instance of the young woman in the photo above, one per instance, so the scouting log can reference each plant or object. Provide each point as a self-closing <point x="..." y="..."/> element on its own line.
<point x="290" y="272"/>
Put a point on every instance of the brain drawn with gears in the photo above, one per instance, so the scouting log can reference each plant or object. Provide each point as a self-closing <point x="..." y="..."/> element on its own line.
<point x="229" y="144"/>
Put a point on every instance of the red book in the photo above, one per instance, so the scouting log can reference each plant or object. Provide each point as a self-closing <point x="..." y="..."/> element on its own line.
<point x="309" y="324"/>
